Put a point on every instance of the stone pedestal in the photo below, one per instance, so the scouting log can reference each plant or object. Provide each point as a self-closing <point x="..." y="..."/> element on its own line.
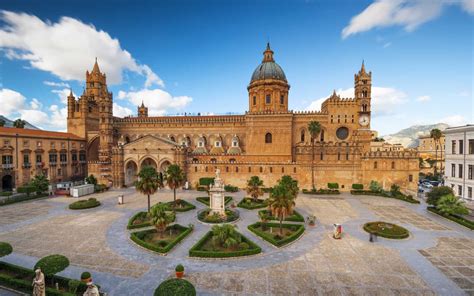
<point x="217" y="196"/>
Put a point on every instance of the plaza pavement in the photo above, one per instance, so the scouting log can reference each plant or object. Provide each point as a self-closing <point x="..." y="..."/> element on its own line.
<point x="437" y="259"/>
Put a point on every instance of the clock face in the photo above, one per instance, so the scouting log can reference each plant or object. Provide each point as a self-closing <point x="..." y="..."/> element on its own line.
<point x="364" y="120"/>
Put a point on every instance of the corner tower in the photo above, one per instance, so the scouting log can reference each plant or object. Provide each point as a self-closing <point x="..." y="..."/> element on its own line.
<point x="268" y="88"/>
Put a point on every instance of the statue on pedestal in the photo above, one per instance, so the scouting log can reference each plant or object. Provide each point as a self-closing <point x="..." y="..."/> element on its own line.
<point x="39" y="288"/>
<point x="92" y="290"/>
<point x="216" y="196"/>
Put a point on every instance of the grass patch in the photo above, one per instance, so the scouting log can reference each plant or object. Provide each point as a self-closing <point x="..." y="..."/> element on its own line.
<point x="290" y="232"/>
<point x="250" y="204"/>
<point x="140" y="220"/>
<point x="205" y="249"/>
<point x="231" y="216"/>
<point x="387" y="230"/>
<point x="295" y="217"/>
<point x="174" y="287"/>
<point x="84" y="204"/>
<point x="152" y="240"/>
<point x="400" y="196"/>
<point x="458" y="219"/>
<point x="205" y="199"/>
<point x="181" y="206"/>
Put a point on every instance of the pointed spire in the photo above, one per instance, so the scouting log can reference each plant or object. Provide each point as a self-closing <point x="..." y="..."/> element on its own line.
<point x="268" y="54"/>
<point x="143" y="105"/>
<point x="96" y="67"/>
<point x="362" y="69"/>
<point x="70" y="92"/>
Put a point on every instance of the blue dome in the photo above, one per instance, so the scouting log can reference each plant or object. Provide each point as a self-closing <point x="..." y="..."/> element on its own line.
<point x="268" y="70"/>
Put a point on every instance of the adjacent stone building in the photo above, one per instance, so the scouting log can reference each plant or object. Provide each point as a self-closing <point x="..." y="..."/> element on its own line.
<point x="432" y="152"/>
<point x="459" y="164"/>
<point x="28" y="152"/>
<point x="269" y="140"/>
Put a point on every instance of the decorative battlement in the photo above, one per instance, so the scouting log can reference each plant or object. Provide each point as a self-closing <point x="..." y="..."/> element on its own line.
<point x="391" y="154"/>
<point x="309" y="112"/>
<point x="182" y="119"/>
<point x="268" y="112"/>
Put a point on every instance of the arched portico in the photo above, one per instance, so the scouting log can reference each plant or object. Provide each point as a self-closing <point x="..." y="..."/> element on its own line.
<point x="148" y="161"/>
<point x="131" y="171"/>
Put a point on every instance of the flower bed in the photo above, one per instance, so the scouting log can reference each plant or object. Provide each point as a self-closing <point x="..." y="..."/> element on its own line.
<point x="387" y="230"/>
<point x="295" y="217"/>
<point x="181" y="206"/>
<point x="231" y="216"/>
<point x="290" y="232"/>
<point x="140" y="220"/>
<point x="460" y="220"/>
<point x="150" y="239"/>
<point x="19" y="278"/>
<point x="400" y="196"/>
<point x="205" y="199"/>
<point x="203" y="248"/>
<point x="251" y="204"/>
<point x="174" y="287"/>
<point x="321" y="191"/>
<point x="84" y="204"/>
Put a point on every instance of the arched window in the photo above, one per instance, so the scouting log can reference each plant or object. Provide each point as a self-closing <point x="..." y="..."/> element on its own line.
<point x="268" y="99"/>
<point x="268" y="138"/>
<point x="236" y="169"/>
<point x="127" y="139"/>
<point x="172" y="139"/>
<point x="282" y="100"/>
<point x="213" y="160"/>
<point x="393" y="165"/>
<point x="250" y="169"/>
<point x="254" y="100"/>
<point x="322" y="135"/>
<point x="261" y="170"/>
<point x="375" y="164"/>
<point x="302" y="135"/>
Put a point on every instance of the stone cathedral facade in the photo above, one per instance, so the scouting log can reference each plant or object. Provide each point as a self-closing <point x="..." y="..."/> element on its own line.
<point x="269" y="140"/>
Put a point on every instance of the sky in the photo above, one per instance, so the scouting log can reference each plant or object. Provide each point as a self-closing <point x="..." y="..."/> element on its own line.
<point x="198" y="56"/>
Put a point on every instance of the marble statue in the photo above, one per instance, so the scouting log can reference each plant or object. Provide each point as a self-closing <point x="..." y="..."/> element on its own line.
<point x="216" y="196"/>
<point x="39" y="288"/>
<point x="92" y="290"/>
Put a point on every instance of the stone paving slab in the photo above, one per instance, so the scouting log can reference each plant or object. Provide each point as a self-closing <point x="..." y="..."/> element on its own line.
<point x="18" y="212"/>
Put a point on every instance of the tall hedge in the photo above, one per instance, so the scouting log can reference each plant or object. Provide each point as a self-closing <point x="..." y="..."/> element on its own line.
<point x="206" y="181"/>
<point x="333" y="185"/>
<point x="52" y="264"/>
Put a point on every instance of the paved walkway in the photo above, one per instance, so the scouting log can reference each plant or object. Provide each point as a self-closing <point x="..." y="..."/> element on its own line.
<point x="97" y="240"/>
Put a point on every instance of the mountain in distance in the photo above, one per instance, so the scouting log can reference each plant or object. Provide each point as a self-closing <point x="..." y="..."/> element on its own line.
<point x="408" y="137"/>
<point x="9" y="123"/>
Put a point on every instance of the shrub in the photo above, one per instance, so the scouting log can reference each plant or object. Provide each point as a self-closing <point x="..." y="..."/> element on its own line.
<point x="206" y="181"/>
<point x="196" y="250"/>
<point x="460" y="220"/>
<point x="244" y="246"/>
<point x="395" y="190"/>
<point x="40" y="183"/>
<point x="179" y="268"/>
<point x="451" y="205"/>
<point x="295" y="217"/>
<point x="85" y="275"/>
<point x="357" y="186"/>
<point x="230" y="188"/>
<point x="321" y="191"/>
<point x="91" y="179"/>
<point x="5" y="249"/>
<point x="174" y="287"/>
<point x="333" y="185"/>
<point x="6" y="193"/>
<point x="52" y="264"/>
<point x="436" y="193"/>
<point x="100" y="187"/>
<point x="375" y="186"/>
<point x="250" y="203"/>
<point x="73" y="285"/>
<point x="28" y="189"/>
<point x="84" y="204"/>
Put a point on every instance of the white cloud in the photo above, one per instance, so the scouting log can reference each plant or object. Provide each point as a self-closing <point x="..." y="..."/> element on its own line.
<point x="56" y="84"/>
<point x="35" y="117"/>
<point x="384" y="99"/>
<point x="11" y="100"/>
<point x="407" y="13"/>
<point x="121" y="111"/>
<point x="35" y="104"/>
<point x="62" y="94"/>
<point x="158" y="101"/>
<point x="423" y="98"/>
<point x="454" y="120"/>
<point x="65" y="48"/>
<point x="387" y="44"/>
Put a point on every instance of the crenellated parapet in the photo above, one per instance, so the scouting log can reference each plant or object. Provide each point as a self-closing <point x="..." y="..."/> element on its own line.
<point x="409" y="153"/>
<point x="182" y="119"/>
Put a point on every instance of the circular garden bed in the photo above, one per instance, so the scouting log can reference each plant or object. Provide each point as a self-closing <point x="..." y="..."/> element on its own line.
<point x="387" y="230"/>
<point x="173" y="287"/>
<point x="84" y="204"/>
<point x="206" y="217"/>
<point x="250" y="203"/>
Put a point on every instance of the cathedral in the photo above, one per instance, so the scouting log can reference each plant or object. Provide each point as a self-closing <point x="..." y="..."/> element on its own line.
<point x="268" y="140"/>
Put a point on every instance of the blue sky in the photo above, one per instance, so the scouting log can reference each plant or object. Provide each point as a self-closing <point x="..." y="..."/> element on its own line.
<point x="198" y="56"/>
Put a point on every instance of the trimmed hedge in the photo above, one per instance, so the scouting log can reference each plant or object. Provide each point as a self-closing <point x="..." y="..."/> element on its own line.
<point x="6" y="193"/>
<point x="231" y="216"/>
<point x="187" y="206"/>
<point x="400" y="196"/>
<point x="321" y="191"/>
<point x="142" y="215"/>
<point x="52" y="264"/>
<point x="196" y="252"/>
<point x="262" y="203"/>
<point x="230" y="188"/>
<point x="455" y="218"/>
<point x="137" y="237"/>
<point x="333" y="185"/>
<point x="174" y="287"/>
<point x="19" y="278"/>
<point x="84" y="204"/>
<point x="395" y="232"/>
<point x="5" y="249"/>
<point x="205" y="199"/>
<point x="295" y="217"/>
<point x="358" y="186"/>
<point x="27" y="189"/>
<point x="255" y="228"/>
<point x="206" y="181"/>
<point x="19" y="198"/>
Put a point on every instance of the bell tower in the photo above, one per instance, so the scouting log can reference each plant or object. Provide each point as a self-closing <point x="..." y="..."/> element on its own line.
<point x="363" y="89"/>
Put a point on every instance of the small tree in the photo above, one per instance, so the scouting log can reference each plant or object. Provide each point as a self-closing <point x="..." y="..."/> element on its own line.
<point x="290" y="184"/>
<point x="160" y="218"/>
<point x="40" y="183"/>
<point x="175" y="178"/>
<point x="148" y="182"/>
<point x="52" y="264"/>
<point x="254" y="187"/>
<point x="374" y="186"/>
<point x="264" y="217"/>
<point x="451" y="205"/>
<point x="91" y="180"/>
<point x="281" y="203"/>
<point x="19" y="123"/>
<point x="394" y="190"/>
<point x="436" y="193"/>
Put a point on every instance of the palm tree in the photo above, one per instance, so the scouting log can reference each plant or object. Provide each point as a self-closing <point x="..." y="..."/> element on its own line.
<point x="225" y="236"/>
<point x="281" y="203"/>
<point x="19" y="123"/>
<point x="314" y="128"/>
<point x="264" y="217"/>
<point x="254" y="187"/>
<point x="451" y="205"/>
<point x="160" y="218"/>
<point x="148" y="182"/>
<point x="436" y="135"/>
<point x="175" y="178"/>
